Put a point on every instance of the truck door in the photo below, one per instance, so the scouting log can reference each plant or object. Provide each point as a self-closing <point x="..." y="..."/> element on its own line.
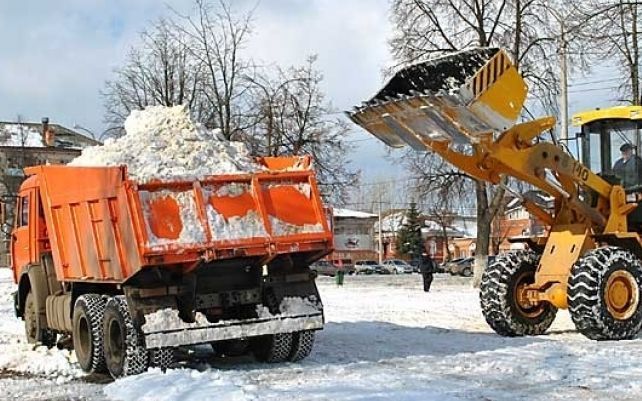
<point x="20" y="238"/>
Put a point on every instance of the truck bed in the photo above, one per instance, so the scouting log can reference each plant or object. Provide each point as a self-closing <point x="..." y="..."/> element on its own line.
<point x="105" y="227"/>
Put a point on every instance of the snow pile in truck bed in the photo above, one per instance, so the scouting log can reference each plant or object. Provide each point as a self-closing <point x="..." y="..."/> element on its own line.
<point x="164" y="143"/>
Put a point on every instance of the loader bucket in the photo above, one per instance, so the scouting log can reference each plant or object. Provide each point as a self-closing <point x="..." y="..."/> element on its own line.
<point x="456" y="98"/>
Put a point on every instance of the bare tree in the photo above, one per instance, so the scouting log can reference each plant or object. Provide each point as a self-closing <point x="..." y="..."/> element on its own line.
<point x="611" y="29"/>
<point x="160" y="71"/>
<point x="293" y="118"/>
<point x="216" y="38"/>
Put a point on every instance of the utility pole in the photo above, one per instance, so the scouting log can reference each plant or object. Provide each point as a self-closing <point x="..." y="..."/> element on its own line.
<point x="563" y="84"/>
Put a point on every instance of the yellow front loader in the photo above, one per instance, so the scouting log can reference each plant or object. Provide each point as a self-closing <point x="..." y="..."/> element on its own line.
<point x="464" y="108"/>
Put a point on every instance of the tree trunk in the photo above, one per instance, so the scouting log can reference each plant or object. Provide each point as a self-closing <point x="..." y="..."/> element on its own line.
<point x="486" y="212"/>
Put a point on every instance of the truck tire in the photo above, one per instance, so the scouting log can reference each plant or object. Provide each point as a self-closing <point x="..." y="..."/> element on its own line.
<point x="35" y="333"/>
<point x="162" y="358"/>
<point x="499" y="302"/>
<point x="302" y="343"/>
<point x="125" y="352"/>
<point x="87" y="334"/>
<point x="604" y="292"/>
<point x="272" y="348"/>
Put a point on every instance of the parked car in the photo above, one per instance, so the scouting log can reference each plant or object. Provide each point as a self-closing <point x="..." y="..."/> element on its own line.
<point x="447" y="265"/>
<point x="396" y="266"/>
<point x="324" y="268"/>
<point x="490" y="260"/>
<point x="415" y="263"/>
<point x="344" y="264"/>
<point x="366" y="267"/>
<point x="463" y="267"/>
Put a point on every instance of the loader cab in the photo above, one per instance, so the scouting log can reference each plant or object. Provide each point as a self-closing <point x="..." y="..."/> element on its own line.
<point x="611" y="143"/>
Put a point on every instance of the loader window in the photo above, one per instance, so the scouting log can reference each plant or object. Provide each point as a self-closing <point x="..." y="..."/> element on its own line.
<point x="24" y="211"/>
<point x="606" y="139"/>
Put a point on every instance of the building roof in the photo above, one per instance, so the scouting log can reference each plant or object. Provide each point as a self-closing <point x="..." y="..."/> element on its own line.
<point x="29" y="135"/>
<point x="540" y="198"/>
<point x="353" y="214"/>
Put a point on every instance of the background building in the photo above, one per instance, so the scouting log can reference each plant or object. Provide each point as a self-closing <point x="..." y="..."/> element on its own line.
<point x="25" y="144"/>
<point x="353" y="235"/>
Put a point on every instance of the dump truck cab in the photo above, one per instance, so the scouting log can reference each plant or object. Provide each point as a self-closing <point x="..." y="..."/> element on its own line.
<point x="603" y="134"/>
<point x="29" y="234"/>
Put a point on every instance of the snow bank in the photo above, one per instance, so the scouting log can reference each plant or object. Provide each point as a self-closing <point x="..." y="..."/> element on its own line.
<point x="17" y="355"/>
<point x="163" y="142"/>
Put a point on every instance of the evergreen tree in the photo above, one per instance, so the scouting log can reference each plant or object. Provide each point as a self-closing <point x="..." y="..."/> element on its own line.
<point x="409" y="241"/>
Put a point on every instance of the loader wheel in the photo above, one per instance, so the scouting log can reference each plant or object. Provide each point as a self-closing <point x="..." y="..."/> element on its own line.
<point x="272" y="348"/>
<point x="502" y="301"/>
<point x="88" y="334"/>
<point x="604" y="292"/>
<point x="36" y="334"/>
<point x="302" y="343"/>
<point x="125" y="352"/>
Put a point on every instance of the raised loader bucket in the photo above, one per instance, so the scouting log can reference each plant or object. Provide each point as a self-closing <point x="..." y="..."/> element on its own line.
<point x="455" y="98"/>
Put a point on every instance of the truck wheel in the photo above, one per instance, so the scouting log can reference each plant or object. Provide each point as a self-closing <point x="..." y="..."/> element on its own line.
<point x="33" y="329"/>
<point x="302" y="343"/>
<point x="162" y="358"/>
<point x="272" y="348"/>
<point x="604" y="294"/>
<point x="125" y="353"/>
<point x="87" y="332"/>
<point x="504" y="309"/>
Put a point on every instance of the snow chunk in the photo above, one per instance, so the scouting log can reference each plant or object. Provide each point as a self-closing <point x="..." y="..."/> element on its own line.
<point x="164" y="143"/>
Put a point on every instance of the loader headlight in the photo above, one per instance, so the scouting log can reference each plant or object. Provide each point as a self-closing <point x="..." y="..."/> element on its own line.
<point x="631" y="198"/>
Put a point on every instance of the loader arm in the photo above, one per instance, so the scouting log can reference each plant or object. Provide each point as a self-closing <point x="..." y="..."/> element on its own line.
<point x="469" y="120"/>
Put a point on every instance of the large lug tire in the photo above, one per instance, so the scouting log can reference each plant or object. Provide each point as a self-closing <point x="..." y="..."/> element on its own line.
<point x="500" y="303"/>
<point x="272" y="348"/>
<point x="604" y="292"/>
<point x="302" y="343"/>
<point x="87" y="332"/>
<point x="34" y="331"/>
<point x="124" y="347"/>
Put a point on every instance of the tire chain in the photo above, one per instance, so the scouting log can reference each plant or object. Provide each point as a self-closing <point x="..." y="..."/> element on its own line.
<point x="136" y="355"/>
<point x="494" y="296"/>
<point x="302" y="343"/>
<point x="589" y="314"/>
<point x="161" y="358"/>
<point x="95" y="307"/>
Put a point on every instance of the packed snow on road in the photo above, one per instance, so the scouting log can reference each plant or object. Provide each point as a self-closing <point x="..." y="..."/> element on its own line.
<point x="384" y="339"/>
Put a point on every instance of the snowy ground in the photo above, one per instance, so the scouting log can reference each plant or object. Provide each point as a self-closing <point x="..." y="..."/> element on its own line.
<point x="385" y="339"/>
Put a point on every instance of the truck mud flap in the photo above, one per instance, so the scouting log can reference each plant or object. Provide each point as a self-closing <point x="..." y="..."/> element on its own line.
<point x="199" y="332"/>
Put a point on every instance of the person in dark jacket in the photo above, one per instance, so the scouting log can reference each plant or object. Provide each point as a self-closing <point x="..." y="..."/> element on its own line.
<point x="426" y="268"/>
<point x="629" y="167"/>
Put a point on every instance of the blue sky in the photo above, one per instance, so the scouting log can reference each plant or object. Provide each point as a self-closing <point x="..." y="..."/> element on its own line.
<point x="56" y="55"/>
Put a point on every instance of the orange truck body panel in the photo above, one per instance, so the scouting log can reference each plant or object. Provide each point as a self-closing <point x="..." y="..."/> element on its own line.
<point x="103" y="227"/>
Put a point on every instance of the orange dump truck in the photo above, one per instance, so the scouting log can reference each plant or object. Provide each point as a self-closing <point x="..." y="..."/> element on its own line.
<point x="126" y="272"/>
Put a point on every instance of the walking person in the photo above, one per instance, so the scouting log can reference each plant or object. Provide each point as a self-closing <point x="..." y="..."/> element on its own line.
<point x="426" y="268"/>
